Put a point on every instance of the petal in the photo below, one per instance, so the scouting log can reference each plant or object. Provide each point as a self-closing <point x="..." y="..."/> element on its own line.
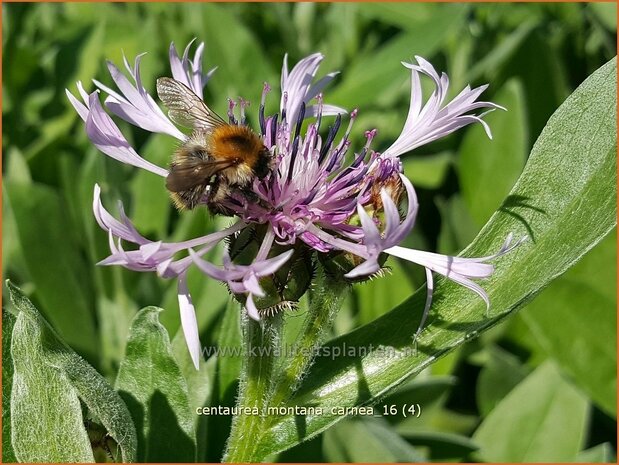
<point x="372" y="234"/>
<point x="189" y="322"/>
<point x="250" y="283"/>
<point x="428" y="304"/>
<point x="367" y="268"/>
<point x="252" y="311"/>
<point x="431" y="121"/>
<point x="106" y="136"/>
<point x="270" y="266"/>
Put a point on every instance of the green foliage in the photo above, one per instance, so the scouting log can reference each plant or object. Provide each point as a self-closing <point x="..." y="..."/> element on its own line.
<point x="151" y="384"/>
<point x="58" y="270"/>
<point x="584" y="344"/>
<point x="49" y="383"/>
<point x="489" y="168"/>
<point x="542" y="419"/>
<point x="532" y="55"/>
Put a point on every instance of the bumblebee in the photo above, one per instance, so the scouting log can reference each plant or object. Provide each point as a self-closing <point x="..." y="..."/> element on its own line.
<point x="217" y="159"/>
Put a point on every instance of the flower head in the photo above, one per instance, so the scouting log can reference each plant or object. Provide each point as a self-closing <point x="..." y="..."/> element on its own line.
<point x="317" y="199"/>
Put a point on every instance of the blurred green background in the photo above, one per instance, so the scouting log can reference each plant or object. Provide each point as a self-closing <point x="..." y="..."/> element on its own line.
<point x="560" y="350"/>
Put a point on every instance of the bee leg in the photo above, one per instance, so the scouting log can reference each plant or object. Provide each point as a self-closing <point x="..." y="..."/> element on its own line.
<point x="218" y="192"/>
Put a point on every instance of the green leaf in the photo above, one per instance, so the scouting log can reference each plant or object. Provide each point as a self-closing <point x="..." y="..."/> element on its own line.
<point x="378" y="74"/>
<point x="606" y="13"/>
<point x="444" y="447"/>
<point x="575" y="321"/>
<point x="151" y="202"/>
<point x="8" y="322"/>
<point x="227" y="374"/>
<point x="229" y="362"/>
<point x="502" y="52"/>
<point x="457" y="226"/>
<point x="501" y="374"/>
<point x="378" y="296"/>
<point x="49" y="381"/>
<point x="374" y="441"/>
<point x="487" y="169"/>
<point x="151" y="383"/>
<point x="239" y="61"/>
<point x="405" y="15"/>
<point x="565" y="200"/>
<point x="428" y="171"/>
<point x="200" y="387"/>
<point x="542" y="420"/>
<point x="425" y="392"/>
<point x="602" y="453"/>
<point x="54" y="263"/>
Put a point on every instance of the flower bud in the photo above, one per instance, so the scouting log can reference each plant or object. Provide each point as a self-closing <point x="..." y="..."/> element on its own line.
<point x="288" y="284"/>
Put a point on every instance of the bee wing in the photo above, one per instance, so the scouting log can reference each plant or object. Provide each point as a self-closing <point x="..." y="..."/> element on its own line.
<point x="185" y="107"/>
<point x="190" y="173"/>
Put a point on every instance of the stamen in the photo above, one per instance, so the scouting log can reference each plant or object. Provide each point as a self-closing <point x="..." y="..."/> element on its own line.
<point x="330" y="138"/>
<point x="337" y="155"/>
<point x="319" y="115"/>
<point x="274" y="130"/>
<point x="265" y="90"/>
<point x="369" y="135"/>
<point x="300" y="119"/>
<point x="231" y="118"/>
<point x="242" y="105"/>
<point x="293" y="156"/>
<point x="357" y="161"/>
<point x="284" y="108"/>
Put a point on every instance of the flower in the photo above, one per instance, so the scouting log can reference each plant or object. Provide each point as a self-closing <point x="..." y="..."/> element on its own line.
<point x="317" y="199"/>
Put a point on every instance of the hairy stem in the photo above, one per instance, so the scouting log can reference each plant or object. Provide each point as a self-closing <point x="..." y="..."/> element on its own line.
<point x="260" y="386"/>
<point x="261" y="342"/>
<point x="324" y="305"/>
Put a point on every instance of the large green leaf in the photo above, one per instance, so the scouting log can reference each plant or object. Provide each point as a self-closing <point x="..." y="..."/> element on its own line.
<point x="542" y="420"/>
<point x="152" y="385"/>
<point x="49" y="381"/>
<point x="8" y="322"/>
<point x="575" y="320"/>
<point x="564" y="201"/>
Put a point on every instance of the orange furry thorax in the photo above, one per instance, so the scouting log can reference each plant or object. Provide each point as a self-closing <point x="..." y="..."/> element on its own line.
<point x="239" y="142"/>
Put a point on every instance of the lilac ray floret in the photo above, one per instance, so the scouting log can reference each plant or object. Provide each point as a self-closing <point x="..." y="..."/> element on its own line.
<point x="155" y="256"/>
<point x="105" y="135"/>
<point x="188" y="71"/>
<point x="243" y="279"/>
<point x="432" y="121"/>
<point x="134" y="104"/>
<point x="297" y="88"/>
<point x="458" y="269"/>
<point x="375" y="242"/>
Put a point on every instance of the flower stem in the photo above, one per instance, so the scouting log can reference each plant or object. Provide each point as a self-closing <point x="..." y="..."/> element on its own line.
<point x="324" y="305"/>
<point x="261" y="342"/>
<point x="260" y="387"/>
